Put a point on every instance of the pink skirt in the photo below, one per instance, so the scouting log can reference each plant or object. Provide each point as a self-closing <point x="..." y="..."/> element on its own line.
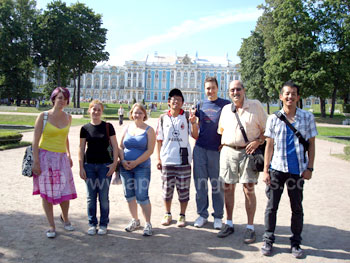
<point x="55" y="183"/>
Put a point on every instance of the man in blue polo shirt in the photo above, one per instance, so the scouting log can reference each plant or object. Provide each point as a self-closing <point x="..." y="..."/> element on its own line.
<point x="206" y="155"/>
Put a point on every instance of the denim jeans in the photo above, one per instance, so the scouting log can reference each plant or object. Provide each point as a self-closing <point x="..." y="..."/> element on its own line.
<point x="295" y="185"/>
<point x="136" y="184"/>
<point x="97" y="184"/>
<point x="206" y="166"/>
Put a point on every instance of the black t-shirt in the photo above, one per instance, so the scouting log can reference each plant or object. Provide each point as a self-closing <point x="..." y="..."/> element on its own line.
<point x="97" y="142"/>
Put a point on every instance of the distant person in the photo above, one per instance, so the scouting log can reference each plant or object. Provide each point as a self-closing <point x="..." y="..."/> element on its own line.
<point x="52" y="173"/>
<point x="96" y="165"/>
<point x="174" y="154"/>
<point x="206" y="155"/>
<point x="235" y="164"/>
<point x="136" y="147"/>
<point x="286" y="163"/>
<point x="121" y="115"/>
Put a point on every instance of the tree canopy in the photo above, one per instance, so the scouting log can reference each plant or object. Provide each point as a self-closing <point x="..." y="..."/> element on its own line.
<point x="301" y="40"/>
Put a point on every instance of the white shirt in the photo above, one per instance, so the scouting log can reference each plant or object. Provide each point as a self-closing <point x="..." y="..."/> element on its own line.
<point x="174" y="133"/>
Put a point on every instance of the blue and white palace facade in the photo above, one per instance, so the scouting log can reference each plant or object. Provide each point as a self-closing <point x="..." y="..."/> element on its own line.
<point x="152" y="79"/>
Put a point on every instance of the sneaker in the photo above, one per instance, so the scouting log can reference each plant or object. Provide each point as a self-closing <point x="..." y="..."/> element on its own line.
<point x="266" y="249"/>
<point x="200" y="221"/>
<point x="102" y="230"/>
<point x="147" y="231"/>
<point x="51" y="233"/>
<point x="166" y="220"/>
<point x="226" y="231"/>
<point x="249" y="236"/>
<point x="92" y="231"/>
<point x="181" y="222"/>
<point x="297" y="252"/>
<point x="217" y="223"/>
<point x="133" y="225"/>
<point x="66" y="225"/>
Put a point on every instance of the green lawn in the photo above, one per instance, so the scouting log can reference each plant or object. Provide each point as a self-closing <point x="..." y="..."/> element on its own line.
<point x="329" y="131"/>
<point x="30" y="120"/>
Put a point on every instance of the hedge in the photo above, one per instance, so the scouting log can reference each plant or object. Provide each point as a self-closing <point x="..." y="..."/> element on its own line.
<point x="10" y="138"/>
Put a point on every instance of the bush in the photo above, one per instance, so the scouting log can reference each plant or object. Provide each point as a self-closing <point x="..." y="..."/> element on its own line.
<point x="347" y="150"/>
<point x="346" y="108"/>
<point x="10" y="138"/>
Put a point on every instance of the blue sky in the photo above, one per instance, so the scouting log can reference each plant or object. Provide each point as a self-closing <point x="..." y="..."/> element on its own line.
<point x="137" y="28"/>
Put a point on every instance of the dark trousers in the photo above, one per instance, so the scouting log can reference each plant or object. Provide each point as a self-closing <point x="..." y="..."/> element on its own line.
<point x="274" y="191"/>
<point x="121" y="118"/>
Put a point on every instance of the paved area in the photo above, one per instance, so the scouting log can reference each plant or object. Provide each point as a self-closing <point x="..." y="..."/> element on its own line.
<point x="326" y="235"/>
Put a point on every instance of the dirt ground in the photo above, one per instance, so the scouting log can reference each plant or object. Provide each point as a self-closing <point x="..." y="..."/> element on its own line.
<point x="326" y="235"/>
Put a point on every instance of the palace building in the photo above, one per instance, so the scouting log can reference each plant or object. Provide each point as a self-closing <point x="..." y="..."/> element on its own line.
<point x="151" y="79"/>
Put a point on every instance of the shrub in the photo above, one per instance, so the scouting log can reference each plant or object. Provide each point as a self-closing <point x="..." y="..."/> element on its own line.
<point x="346" y="108"/>
<point x="347" y="150"/>
<point x="10" y="138"/>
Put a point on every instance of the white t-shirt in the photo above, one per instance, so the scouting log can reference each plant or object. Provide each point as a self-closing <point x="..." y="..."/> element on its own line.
<point x="174" y="133"/>
<point x="121" y="111"/>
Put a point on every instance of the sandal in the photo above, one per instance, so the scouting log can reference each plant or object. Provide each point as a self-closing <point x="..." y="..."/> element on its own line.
<point x="67" y="226"/>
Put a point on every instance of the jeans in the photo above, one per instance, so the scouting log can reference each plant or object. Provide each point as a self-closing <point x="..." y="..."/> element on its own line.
<point x="206" y="166"/>
<point x="295" y="185"/>
<point x="136" y="184"/>
<point x="97" y="184"/>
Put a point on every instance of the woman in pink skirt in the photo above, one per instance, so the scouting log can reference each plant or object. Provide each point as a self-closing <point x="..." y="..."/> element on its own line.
<point x="52" y="174"/>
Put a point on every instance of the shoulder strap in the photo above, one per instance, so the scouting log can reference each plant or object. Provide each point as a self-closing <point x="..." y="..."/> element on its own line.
<point x="46" y="116"/>
<point x="234" y="110"/>
<point x="161" y="121"/>
<point x="283" y="118"/>
<point x="107" y="130"/>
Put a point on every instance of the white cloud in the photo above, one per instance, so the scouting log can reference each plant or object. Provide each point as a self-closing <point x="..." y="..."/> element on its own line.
<point x="187" y="28"/>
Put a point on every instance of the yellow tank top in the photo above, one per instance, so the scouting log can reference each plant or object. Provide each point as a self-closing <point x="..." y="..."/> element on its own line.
<point x="54" y="139"/>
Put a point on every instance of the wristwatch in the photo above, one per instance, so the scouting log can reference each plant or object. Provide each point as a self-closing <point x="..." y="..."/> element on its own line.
<point x="310" y="169"/>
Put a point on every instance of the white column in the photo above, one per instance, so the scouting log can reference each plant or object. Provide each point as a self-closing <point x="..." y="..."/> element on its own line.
<point x="143" y="78"/>
<point x="101" y="80"/>
<point x="182" y="80"/>
<point x="92" y="81"/>
<point x="125" y="79"/>
<point x="109" y="81"/>
<point x="84" y="81"/>
<point x="227" y="80"/>
<point x="188" y="79"/>
<point x="132" y="79"/>
<point x="175" y="78"/>
<point x="137" y="79"/>
<point x="118" y="81"/>
<point x="195" y="80"/>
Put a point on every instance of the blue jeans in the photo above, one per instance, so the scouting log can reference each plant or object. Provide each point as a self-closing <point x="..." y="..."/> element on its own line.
<point x="206" y="166"/>
<point x="97" y="183"/>
<point x="136" y="184"/>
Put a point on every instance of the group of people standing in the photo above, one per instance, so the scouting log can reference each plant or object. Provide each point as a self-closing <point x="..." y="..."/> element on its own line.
<point x="221" y="155"/>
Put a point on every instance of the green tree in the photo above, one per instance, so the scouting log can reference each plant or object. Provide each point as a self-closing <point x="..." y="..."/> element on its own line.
<point x="52" y="42"/>
<point x="293" y="54"/>
<point x="252" y="55"/>
<point x="334" y="37"/>
<point x="16" y="65"/>
<point x="87" y="43"/>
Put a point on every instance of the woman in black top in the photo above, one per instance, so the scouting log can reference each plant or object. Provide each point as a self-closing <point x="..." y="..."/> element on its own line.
<point x="96" y="165"/>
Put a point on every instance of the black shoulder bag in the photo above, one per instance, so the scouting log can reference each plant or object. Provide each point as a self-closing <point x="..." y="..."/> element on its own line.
<point x="258" y="155"/>
<point x="304" y="142"/>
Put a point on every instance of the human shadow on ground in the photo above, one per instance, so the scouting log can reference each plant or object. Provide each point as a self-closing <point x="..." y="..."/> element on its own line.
<point x="23" y="239"/>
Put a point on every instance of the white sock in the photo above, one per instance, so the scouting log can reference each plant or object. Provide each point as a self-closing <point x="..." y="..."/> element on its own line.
<point x="250" y="227"/>
<point x="229" y="222"/>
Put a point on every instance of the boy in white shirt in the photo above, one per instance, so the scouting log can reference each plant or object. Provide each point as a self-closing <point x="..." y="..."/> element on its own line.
<point x="174" y="154"/>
